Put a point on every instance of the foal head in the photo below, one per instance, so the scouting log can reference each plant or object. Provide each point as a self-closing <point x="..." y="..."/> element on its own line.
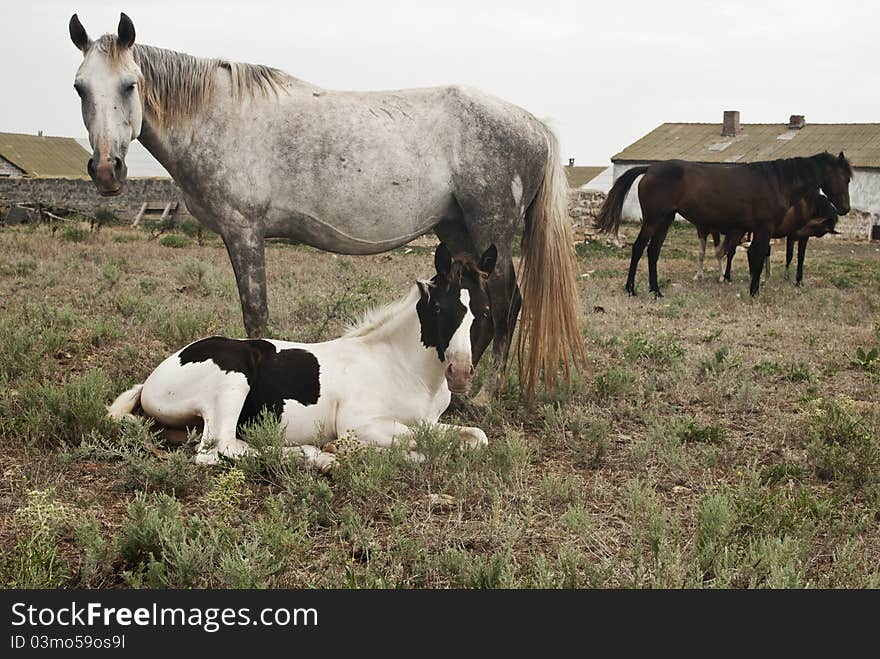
<point x="452" y="308"/>
<point x="108" y="83"/>
<point x="823" y="217"/>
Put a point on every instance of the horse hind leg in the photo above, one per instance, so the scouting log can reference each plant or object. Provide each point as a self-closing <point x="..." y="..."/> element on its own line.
<point x="654" y="248"/>
<point x="638" y="249"/>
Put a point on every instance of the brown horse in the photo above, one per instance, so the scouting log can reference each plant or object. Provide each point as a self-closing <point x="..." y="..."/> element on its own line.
<point x="812" y="216"/>
<point x="722" y="197"/>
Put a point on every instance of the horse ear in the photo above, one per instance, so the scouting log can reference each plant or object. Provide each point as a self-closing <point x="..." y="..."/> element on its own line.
<point x="488" y="259"/>
<point x="125" y="31"/>
<point x="841" y="157"/>
<point x="78" y="34"/>
<point x="442" y="260"/>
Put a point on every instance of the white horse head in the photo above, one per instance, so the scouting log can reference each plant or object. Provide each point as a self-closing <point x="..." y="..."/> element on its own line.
<point x="452" y="309"/>
<point x="108" y="83"/>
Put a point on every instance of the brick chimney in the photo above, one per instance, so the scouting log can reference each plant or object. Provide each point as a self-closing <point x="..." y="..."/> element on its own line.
<point x="731" y="127"/>
<point x="796" y="122"/>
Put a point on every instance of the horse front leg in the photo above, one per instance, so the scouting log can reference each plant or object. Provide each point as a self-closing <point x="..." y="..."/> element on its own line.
<point x="248" y="255"/>
<point x="505" y="302"/>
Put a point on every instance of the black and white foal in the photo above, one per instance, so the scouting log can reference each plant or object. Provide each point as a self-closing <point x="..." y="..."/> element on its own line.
<point x="393" y="371"/>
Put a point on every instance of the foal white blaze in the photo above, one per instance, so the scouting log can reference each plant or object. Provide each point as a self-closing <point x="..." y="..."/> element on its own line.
<point x="397" y="369"/>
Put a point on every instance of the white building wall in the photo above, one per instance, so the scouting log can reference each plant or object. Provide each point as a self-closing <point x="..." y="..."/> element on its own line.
<point x="8" y="170"/>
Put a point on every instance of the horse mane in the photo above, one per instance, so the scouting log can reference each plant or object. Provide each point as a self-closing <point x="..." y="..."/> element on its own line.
<point x="377" y="318"/>
<point x="802" y="169"/>
<point x="176" y="85"/>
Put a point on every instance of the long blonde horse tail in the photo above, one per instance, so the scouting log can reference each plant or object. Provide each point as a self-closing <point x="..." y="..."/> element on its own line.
<point x="549" y="339"/>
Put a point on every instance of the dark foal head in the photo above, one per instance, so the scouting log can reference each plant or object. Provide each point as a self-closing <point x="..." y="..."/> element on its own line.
<point x="837" y="175"/>
<point x="823" y="217"/>
<point x="452" y="310"/>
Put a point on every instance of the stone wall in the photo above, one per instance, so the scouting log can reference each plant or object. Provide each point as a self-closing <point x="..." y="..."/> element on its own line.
<point x="583" y="206"/>
<point x="80" y="195"/>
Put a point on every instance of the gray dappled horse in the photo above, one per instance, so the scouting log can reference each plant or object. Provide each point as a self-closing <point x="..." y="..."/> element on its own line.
<point x="259" y="153"/>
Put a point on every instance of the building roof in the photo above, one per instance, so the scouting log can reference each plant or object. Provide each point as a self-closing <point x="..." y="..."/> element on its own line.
<point x="45" y="157"/>
<point x="578" y="176"/>
<point x="756" y="142"/>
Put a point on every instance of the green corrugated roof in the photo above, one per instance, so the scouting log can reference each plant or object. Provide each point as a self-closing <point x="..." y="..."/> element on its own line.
<point x="578" y="176"/>
<point x="704" y="143"/>
<point x="45" y="157"/>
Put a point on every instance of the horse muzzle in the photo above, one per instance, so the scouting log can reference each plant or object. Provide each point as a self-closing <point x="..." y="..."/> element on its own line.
<point x="459" y="376"/>
<point x="108" y="175"/>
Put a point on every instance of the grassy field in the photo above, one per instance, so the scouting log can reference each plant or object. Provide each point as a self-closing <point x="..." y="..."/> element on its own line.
<point x="717" y="441"/>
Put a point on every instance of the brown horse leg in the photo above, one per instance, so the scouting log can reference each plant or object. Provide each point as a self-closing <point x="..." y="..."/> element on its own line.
<point x="789" y="252"/>
<point x="654" y="248"/>
<point x="757" y="254"/>
<point x="248" y="256"/>
<point x="802" y="252"/>
<point x="638" y="249"/>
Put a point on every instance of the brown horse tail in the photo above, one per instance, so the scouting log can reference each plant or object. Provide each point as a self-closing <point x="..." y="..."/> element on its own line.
<point x="549" y="334"/>
<point x="608" y="220"/>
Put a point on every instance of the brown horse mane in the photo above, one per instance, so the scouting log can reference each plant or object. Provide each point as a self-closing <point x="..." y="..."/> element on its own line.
<point x="802" y="169"/>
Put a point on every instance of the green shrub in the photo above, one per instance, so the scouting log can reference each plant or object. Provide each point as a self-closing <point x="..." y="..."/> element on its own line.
<point x="842" y="443"/>
<point x="73" y="234"/>
<point x="172" y="240"/>
<point x="33" y="561"/>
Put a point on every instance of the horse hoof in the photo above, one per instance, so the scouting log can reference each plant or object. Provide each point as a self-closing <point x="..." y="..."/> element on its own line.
<point x="474" y="437"/>
<point x="207" y="459"/>
<point x="657" y="294"/>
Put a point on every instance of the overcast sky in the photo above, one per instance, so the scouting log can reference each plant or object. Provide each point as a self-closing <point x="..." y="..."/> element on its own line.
<point x="602" y="74"/>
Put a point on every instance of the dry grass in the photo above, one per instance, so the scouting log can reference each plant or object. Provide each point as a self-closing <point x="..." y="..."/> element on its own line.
<point x="717" y="441"/>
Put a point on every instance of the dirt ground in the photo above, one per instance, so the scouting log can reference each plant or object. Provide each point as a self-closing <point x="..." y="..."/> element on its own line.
<point x="717" y="440"/>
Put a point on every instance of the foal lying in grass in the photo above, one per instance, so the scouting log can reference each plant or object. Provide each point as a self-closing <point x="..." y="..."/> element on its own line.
<point x="395" y="370"/>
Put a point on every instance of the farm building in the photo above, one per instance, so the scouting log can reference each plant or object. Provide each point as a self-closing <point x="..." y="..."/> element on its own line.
<point x="732" y="142"/>
<point x="38" y="156"/>
<point x="579" y="177"/>
<point x="51" y="171"/>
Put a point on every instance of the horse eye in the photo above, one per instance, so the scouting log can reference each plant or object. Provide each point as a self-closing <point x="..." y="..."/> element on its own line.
<point x="436" y="307"/>
<point x="128" y="88"/>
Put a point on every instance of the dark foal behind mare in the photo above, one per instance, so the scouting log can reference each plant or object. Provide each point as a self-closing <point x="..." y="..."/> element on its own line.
<point x="722" y="197"/>
<point x="812" y="216"/>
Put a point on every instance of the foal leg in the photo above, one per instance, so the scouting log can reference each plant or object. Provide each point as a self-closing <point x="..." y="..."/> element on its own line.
<point x="702" y="235"/>
<point x="757" y="253"/>
<point x="638" y="249"/>
<point x="802" y="252"/>
<point x="716" y="241"/>
<point x="312" y="456"/>
<point x="470" y="435"/>
<point x="221" y="423"/>
<point x="654" y="248"/>
<point x="247" y="252"/>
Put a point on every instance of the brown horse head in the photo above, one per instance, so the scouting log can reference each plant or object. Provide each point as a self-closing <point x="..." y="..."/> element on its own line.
<point x="836" y="177"/>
